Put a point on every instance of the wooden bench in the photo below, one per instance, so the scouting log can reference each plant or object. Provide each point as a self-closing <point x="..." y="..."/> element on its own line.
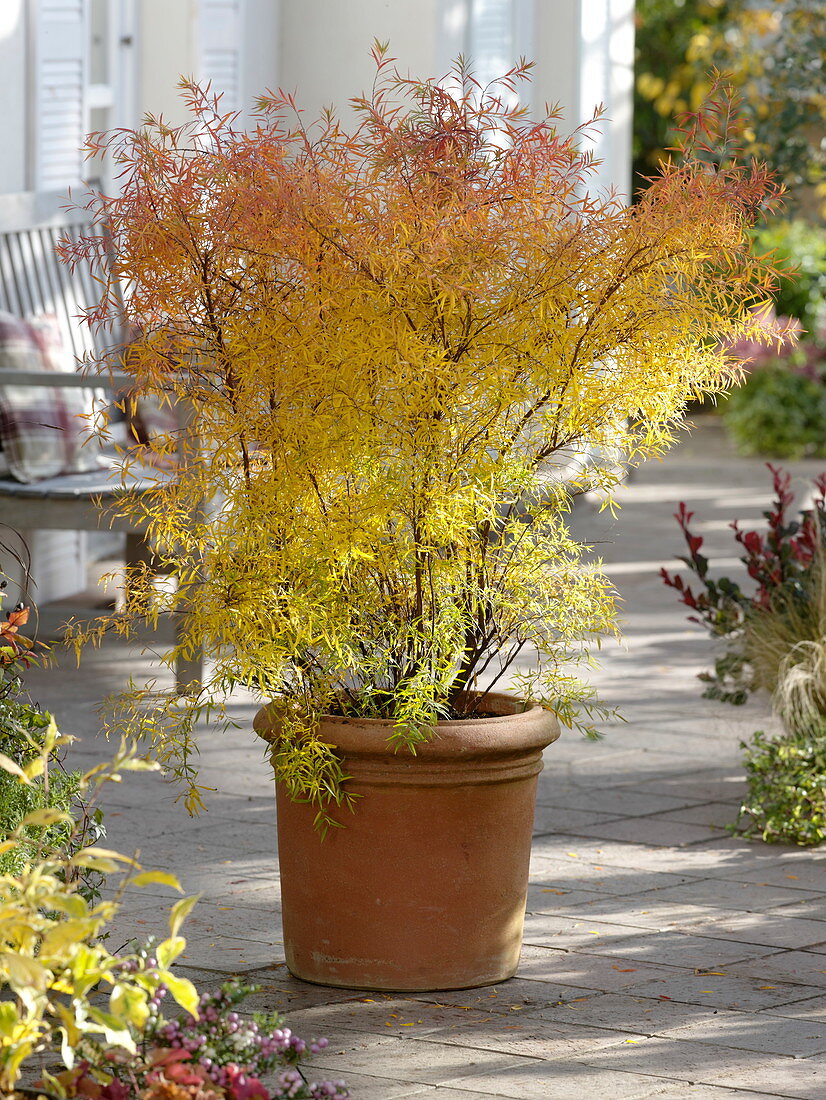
<point x="33" y="281"/>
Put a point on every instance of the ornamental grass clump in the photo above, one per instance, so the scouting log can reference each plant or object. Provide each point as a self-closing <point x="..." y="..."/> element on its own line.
<point x="395" y="343"/>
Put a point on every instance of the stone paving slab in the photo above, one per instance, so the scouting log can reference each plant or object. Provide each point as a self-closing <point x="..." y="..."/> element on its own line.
<point x="723" y="989"/>
<point x="802" y="1080"/>
<point x="813" y="1008"/>
<point x="798" y="1038"/>
<point x="707" y="971"/>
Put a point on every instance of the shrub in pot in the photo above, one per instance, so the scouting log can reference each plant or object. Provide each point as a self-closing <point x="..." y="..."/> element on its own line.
<point x="395" y="342"/>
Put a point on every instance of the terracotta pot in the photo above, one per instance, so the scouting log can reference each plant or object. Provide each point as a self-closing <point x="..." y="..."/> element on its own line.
<point x="425" y="886"/>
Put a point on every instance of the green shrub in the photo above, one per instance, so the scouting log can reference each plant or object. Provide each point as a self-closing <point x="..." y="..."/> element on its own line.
<point x="22" y="727"/>
<point x="25" y="730"/>
<point x="778" y="412"/>
<point x="786" y="800"/>
<point x="800" y="254"/>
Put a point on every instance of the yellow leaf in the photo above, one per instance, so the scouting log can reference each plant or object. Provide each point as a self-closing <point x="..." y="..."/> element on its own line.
<point x="163" y="878"/>
<point x="168" y="951"/>
<point x="35" y="767"/>
<point x="180" y="911"/>
<point x="46" y="816"/>
<point x="101" y="859"/>
<point x="183" y="991"/>
<point x="8" y="765"/>
<point x="23" y="971"/>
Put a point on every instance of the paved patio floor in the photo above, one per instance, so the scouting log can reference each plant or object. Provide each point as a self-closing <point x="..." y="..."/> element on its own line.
<point x="663" y="957"/>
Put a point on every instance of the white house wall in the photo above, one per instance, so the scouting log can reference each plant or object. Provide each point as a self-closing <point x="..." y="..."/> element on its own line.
<point x="325" y="46"/>
<point x="13" y="117"/>
<point x="167" y="49"/>
<point x="583" y="52"/>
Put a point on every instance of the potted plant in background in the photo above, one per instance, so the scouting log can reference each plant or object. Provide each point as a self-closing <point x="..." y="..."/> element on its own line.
<point x="395" y="342"/>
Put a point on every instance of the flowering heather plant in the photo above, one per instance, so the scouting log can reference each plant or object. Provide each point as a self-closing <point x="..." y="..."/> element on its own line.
<point x="762" y="625"/>
<point x="212" y="1054"/>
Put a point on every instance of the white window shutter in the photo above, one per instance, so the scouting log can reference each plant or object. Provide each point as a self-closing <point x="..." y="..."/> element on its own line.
<point x="220" y="50"/>
<point x="59" y="93"/>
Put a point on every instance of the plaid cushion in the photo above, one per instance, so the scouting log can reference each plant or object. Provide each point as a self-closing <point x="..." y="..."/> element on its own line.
<point x="43" y="430"/>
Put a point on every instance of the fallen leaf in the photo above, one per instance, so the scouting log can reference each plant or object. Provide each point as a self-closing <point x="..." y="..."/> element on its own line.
<point x="624" y="969"/>
<point x="767" y="987"/>
<point x="573" y="855"/>
<point x="663" y="997"/>
<point x="547" y="890"/>
<point x="632" y="1040"/>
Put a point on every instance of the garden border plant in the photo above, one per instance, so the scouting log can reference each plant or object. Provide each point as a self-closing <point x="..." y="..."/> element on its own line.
<point x="774" y="638"/>
<point x="779" y="409"/>
<point x="66" y="997"/>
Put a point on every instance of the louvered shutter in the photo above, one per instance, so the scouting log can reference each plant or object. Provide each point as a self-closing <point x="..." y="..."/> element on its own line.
<point x="59" y="93"/>
<point x="219" y="50"/>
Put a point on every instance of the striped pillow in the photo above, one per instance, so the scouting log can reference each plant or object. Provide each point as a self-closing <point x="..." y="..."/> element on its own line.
<point x="43" y="429"/>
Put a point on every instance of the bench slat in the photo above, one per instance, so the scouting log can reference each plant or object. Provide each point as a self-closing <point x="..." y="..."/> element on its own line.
<point x="70" y="379"/>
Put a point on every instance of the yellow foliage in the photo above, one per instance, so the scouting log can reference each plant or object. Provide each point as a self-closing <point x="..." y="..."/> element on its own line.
<point x="395" y="343"/>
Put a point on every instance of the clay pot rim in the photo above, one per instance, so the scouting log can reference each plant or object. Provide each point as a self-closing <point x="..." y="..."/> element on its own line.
<point x="517" y="725"/>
